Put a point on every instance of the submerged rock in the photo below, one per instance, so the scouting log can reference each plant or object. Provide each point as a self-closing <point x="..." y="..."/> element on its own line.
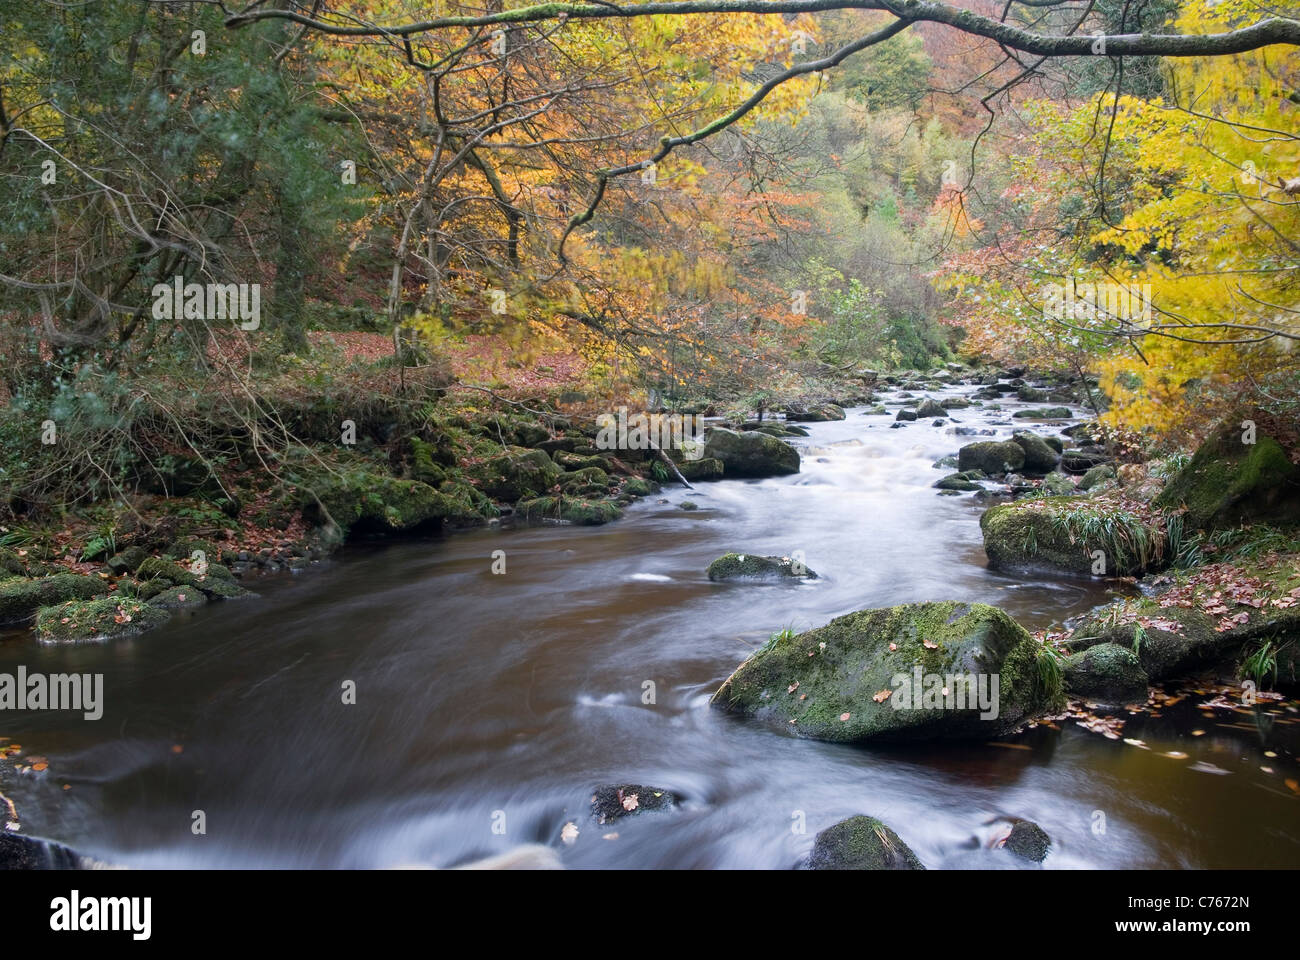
<point x="32" y="853"/>
<point x="747" y="566"/>
<point x="861" y="843"/>
<point x="616" y="801"/>
<point x="751" y="454"/>
<point x="856" y="678"/>
<point x="1029" y="841"/>
<point x="1107" y="672"/>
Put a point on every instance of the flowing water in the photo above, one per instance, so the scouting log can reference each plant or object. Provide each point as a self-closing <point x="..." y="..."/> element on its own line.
<point x="499" y="701"/>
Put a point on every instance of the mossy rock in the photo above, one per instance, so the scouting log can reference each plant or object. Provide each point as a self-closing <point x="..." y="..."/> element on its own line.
<point x="469" y="502"/>
<point x="1108" y="673"/>
<point x="586" y="477"/>
<point x="106" y="618"/>
<point x="569" y="510"/>
<point x="423" y="465"/>
<point x="955" y="481"/>
<point x="1028" y="841"/>
<point x="639" y="487"/>
<point x="179" y="598"/>
<point x="750" y="454"/>
<point x="186" y="547"/>
<point x="528" y="434"/>
<point x="1040" y="458"/>
<point x="814" y="413"/>
<point x="861" y="843"/>
<point x="1054" y="533"/>
<point x="991" y="456"/>
<point x="1059" y="485"/>
<point x="1044" y="413"/>
<point x="215" y="581"/>
<point x="1096" y="475"/>
<point x="20" y="598"/>
<point x="373" y="501"/>
<point x="748" y="566"/>
<point x="516" y="474"/>
<point x="1176" y="641"/>
<point x="706" y="468"/>
<point x="1229" y="482"/>
<point x="572" y="461"/>
<point x="906" y="415"/>
<point x="930" y="408"/>
<point x="852" y="680"/>
<point x="126" y="561"/>
<point x="621" y="800"/>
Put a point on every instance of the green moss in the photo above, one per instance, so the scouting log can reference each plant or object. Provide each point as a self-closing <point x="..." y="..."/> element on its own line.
<point x="423" y="467"/>
<point x="569" y="510"/>
<point x="843" y="667"/>
<point x="20" y="598"/>
<point x="1228" y="482"/>
<point x="179" y="598"/>
<point x="639" y="487"/>
<point x="1064" y="533"/>
<point x="104" y="618"/>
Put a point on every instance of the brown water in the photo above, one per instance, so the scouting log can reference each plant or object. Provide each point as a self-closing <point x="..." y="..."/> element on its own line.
<point x="482" y="694"/>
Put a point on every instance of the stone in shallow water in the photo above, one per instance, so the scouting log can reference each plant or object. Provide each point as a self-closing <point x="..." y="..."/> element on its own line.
<point x="861" y="843"/>
<point x="616" y="801"/>
<point x="1028" y="840"/>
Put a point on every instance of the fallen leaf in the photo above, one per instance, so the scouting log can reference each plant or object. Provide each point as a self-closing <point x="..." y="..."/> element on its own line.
<point x="570" y="833"/>
<point x="880" y="697"/>
<point x="844" y="716"/>
<point x="630" y="802"/>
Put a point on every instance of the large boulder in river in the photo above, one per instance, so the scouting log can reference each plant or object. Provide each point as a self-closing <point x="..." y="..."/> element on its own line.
<point x="747" y="566"/>
<point x="1229" y="482"/>
<point x="913" y="672"/>
<point x="751" y="454"/>
<point x="991" y="456"/>
<point x="861" y="843"/>
<point x="1040" y="458"/>
<point x="1066" y="533"/>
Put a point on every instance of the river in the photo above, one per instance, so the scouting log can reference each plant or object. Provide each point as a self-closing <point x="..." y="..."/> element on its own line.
<point x="500" y="700"/>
